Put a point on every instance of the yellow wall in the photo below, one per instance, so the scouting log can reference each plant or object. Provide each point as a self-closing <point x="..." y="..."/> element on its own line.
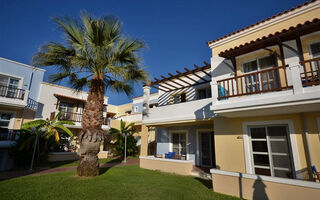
<point x="257" y="189"/>
<point x="121" y="109"/>
<point x="268" y="30"/>
<point x="229" y="144"/>
<point x="306" y="41"/>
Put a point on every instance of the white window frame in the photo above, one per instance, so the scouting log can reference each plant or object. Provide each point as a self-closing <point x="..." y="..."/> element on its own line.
<point x="258" y="64"/>
<point x="292" y="140"/>
<point x="14" y="76"/>
<point x="170" y="141"/>
<point x="309" y="48"/>
<point x="12" y="119"/>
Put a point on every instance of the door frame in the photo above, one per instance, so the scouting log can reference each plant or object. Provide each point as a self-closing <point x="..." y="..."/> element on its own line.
<point x="198" y="151"/>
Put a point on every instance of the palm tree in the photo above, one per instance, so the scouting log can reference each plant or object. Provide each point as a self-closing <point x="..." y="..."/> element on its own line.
<point x="97" y="55"/>
<point x="121" y="136"/>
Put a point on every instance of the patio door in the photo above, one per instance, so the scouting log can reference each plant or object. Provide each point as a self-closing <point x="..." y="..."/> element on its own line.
<point x="206" y="148"/>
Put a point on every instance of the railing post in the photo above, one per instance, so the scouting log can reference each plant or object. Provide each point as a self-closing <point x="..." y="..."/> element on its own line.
<point x="214" y="91"/>
<point x="295" y="71"/>
<point x="25" y="96"/>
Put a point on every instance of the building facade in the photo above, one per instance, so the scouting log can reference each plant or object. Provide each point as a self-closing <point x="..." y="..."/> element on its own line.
<point x="264" y="109"/>
<point x="19" y="99"/>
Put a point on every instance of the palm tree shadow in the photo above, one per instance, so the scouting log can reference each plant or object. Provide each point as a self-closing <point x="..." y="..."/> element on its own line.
<point x="103" y="170"/>
<point x="206" y="182"/>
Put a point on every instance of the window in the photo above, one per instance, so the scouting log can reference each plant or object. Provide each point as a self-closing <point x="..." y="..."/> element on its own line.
<point x="179" y="144"/>
<point x="66" y="107"/>
<point x="270" y="151"/>
<point x="5" y="119"/>
<point x="204" y="93"/>
<point x="9" y="86"/>
<point x="315" y="52"/>
<point x="179" y="98"/>
<point x="315" y="49"/>
<point x="262" y="81"/>
<point x="136" y="108"/>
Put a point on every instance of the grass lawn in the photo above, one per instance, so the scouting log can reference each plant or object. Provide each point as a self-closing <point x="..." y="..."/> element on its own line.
<point x="75" y="162"/>
<point x="125" y="182"/>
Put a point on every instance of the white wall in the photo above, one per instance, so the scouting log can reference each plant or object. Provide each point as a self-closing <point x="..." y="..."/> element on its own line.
<point x="48" y="102"/>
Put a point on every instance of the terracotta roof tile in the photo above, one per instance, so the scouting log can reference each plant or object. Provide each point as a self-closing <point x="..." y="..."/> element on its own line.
<point x="262" y="21"/>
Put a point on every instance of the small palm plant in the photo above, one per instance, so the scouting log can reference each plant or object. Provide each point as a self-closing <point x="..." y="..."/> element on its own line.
<point x="95" y="54"/>
<point x="51" y="127"/>
<point x="124" y="140"/>
<point x="33" y="138"/>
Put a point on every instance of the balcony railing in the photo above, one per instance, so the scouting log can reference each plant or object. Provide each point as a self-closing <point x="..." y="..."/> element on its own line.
<point x="73" y="117"/>
<point x="267" y="80"/>
<point x="7" y="134"/>
<point x="70" y="116"/>
<point x="11" y="92"/>
<point x="311" y="72"/>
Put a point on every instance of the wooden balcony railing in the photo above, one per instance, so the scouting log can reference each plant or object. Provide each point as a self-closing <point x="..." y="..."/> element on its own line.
<point x="311" y="72"/>
<point x="11" y="92"/>
<point x="73" y="117"/>
<point x="267" y="80"/>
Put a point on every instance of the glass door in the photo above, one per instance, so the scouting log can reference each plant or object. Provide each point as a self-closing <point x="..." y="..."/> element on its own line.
<point x="205" y="149"/>
<point x="270" y="149"/>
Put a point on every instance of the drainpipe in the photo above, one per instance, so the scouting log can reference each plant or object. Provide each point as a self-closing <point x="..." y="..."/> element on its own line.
<point x="305" y="129"/>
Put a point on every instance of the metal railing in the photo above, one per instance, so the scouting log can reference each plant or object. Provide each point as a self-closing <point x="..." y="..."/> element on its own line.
<point x="311" y="72"/>
<point x="7" y="134"/>
<point x="267" y="80"/>
<point x="73" y="117"/>
<point x="11" y="92"/>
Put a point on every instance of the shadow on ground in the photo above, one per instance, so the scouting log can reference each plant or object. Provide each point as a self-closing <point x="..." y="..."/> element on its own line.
<point x="206" y="182"/>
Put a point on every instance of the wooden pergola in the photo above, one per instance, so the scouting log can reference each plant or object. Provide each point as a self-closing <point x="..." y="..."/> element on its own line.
<point x="178" y="81"/>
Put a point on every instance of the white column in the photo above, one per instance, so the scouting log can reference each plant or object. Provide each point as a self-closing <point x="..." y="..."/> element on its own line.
<point x="295" y="70"/>
<point x="146" y="100"/>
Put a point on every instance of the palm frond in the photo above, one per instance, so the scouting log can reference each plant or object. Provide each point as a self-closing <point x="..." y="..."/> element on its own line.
<point x="65" y="129"/>
<point x="35" y="123"/>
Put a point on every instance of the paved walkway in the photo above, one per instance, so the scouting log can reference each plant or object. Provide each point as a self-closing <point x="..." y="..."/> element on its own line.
<point x="40" y="171"/>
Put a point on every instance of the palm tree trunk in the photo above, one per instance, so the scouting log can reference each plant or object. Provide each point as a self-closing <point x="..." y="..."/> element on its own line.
<point x="91" y="135"/>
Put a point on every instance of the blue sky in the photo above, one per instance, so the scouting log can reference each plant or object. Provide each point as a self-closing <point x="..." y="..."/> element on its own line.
<point x="175" y="32"/>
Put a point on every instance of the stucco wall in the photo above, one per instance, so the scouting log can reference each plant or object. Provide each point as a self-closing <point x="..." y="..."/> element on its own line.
<point x="25" y="73"/>
<point x="167" y="165"/>
<point x="258" y="189"/>
<point x="48" y="102"/>
<point x="229" y="142"/>
<point x="163" y="138"/>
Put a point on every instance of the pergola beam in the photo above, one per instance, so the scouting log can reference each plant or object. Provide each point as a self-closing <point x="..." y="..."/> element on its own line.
<point x="197" y="67"/>
<point x="160" y="81"/>
<point x="194" y="74"/>
<point x="167" y="79"/>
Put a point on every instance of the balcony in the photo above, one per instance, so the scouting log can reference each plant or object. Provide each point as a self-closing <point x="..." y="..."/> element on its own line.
<point x="76" y="118"/>
<point x="311" y="72"/>
<point x="279" y="90"/>
<point x="13" y="96"/>
<point x="7" y="137"/>
<point x="268" y="80"/>
<point x="191" y="110"/>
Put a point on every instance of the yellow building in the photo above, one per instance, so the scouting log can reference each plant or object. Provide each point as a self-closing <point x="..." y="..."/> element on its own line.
<point x="267" y="105"/>
<point x="263" y="110"/>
